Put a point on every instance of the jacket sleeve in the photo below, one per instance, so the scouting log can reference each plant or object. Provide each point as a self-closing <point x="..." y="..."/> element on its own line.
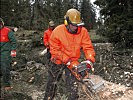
<point x="56" y="49"/>
<point x="45" y="39"/>
<point x="88" y="47"/>
<point x="12" y="40"/>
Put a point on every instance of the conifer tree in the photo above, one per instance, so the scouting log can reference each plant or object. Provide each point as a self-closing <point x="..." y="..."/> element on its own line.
<point x="118" y="21"/>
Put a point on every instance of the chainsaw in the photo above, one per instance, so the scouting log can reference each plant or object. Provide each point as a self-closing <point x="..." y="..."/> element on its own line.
<point x="84" y="74"/>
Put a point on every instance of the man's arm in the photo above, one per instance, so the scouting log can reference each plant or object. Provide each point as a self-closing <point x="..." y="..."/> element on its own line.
<point x="12" y="40"/>
<point x="88" y="47"/>
<point x="45" y="39"/>
<point x="13" y="43"/>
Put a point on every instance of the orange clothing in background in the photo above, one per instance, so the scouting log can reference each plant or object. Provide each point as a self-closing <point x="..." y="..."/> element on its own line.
<point x="46" y="37"/>
<point x="65" y="46"/>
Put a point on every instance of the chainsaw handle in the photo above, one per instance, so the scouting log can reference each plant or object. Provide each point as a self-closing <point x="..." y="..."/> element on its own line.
<point x="89" y="64"/>
<point x="82" y="65"/>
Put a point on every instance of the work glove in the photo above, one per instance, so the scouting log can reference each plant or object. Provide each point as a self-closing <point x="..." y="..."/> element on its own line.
<point x="89" y="64"/>
<point x="15" y="29"/>
<point x="68" y="63"/>
<point x="13" y="53"/>
<point x="43" y="52"/>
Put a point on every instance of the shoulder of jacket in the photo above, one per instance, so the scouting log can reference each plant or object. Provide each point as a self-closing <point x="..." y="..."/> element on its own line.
<point x="84" y="29"/>
<point x="59" y="27"/>
<point x="46" y="30"/>
<point x="6" y="28"/>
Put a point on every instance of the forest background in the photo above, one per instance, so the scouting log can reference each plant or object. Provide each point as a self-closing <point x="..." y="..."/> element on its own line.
<point x="115" y="21"/>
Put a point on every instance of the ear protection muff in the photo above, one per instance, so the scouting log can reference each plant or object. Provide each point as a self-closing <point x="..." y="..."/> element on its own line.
<point x="66" y="21"/>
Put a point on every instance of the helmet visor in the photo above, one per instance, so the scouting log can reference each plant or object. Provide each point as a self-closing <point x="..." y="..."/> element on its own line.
<point x="80" y="24"/>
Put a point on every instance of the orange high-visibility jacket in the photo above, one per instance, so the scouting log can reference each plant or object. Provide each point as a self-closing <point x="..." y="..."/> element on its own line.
<point x="65" y="46"/>
<point x="46" y="36"/>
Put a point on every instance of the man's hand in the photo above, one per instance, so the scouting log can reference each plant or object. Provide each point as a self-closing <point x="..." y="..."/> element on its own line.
<point x="68" y="63"/>
<point x="89" y="64"/>
<point x="47" y="45"/>
<point x="13" y="53"/>
<point x="72" y="65"/>
<point x="43" y="52"/>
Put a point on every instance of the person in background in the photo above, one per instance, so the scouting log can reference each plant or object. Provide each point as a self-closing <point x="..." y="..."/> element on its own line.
<point x="7" y="51"/>
<point x="66" y="42"/>
<point x="46" y="37"/>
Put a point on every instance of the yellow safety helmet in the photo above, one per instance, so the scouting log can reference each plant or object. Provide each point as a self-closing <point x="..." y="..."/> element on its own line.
<point x="73" y="16"/>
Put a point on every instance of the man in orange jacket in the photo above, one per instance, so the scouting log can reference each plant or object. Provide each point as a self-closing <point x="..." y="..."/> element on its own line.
<point x="66" y="42"/>
<point x="47" y="35"/>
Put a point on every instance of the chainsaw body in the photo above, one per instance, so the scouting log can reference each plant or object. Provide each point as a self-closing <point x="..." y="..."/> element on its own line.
<point x="81" y="72"/>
